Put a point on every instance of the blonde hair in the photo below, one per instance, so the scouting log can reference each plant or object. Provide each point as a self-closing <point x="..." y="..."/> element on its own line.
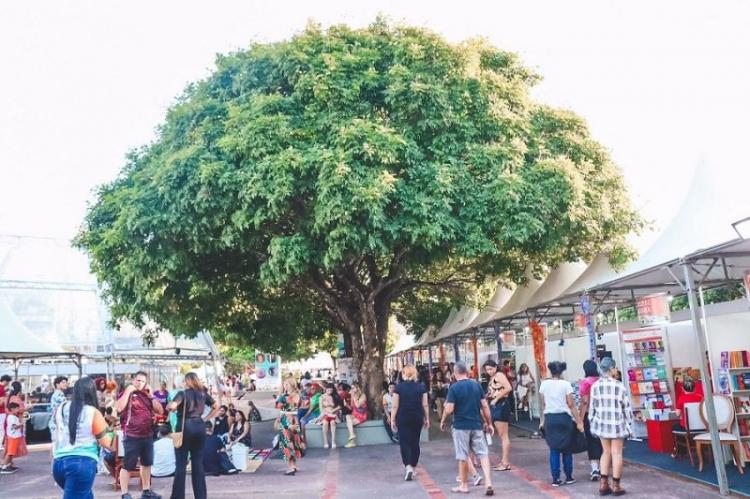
<point x="409" y="373"/>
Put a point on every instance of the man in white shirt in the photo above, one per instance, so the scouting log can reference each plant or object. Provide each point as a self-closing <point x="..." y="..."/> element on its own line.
<point x="164" y="455"/>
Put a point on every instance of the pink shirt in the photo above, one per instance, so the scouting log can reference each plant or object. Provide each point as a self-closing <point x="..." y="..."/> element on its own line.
<point x="584" y="387"/>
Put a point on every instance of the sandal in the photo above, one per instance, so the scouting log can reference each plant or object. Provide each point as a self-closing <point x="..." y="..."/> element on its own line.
<point x="459" y="490"/>
<point x="502" y="467"/>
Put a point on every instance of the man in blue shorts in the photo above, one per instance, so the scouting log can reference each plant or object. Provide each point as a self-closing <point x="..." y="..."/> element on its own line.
<point x="471" y="419"/>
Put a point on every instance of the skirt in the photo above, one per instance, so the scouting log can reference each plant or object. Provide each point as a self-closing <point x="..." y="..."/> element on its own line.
<point x="15" y="447"/>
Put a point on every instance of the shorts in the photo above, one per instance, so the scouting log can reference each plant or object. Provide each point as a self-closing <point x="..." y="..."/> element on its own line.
<point x="135" y="448"/>
<point x="329" y="419"/>
<point x="465" y="441"/>
<point x="500" y="411"/>
<point x="15" y="447"/>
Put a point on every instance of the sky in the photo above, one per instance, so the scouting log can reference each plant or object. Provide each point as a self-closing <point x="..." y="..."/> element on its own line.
<point x="663" y="85"/>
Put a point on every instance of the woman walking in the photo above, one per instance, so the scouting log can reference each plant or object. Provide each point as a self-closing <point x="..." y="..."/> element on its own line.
<point x="189" y="405"/>
<point x="558" y="415"/>
<point x="409" y="414"/>
<point x="288" y="428"/>
<point x="594" y="446"/>
<point x="439" y="387"/>
<point x="499" y="398"/>
<point x="78" y="429"/>
<point x="611" y="421"/>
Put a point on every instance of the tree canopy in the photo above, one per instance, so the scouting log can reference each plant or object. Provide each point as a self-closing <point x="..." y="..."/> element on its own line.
<point x="332" y="180"/>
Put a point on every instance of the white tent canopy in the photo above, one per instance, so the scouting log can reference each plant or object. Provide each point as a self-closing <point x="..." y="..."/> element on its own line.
<point x="18" y="341"/>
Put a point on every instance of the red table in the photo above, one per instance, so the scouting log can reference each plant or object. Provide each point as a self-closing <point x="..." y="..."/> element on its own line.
<point x="660" y="437"/>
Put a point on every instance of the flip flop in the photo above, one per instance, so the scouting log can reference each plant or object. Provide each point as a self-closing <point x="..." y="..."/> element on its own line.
<point x="459" y="490"/>
<point x="502" y="467"/>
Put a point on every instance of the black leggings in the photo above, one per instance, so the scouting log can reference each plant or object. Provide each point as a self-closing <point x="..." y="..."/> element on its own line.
<point x="409" y="431"/>
<point x="193" y="441"/>
<point x="594" y="449"/>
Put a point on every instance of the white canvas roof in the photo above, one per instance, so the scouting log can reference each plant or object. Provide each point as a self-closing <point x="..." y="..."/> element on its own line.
<point x="18" y="340"/>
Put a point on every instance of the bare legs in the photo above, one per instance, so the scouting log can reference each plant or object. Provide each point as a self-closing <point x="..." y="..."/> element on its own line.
<point x="501" y="430"/>
<point x="326" y="425"/>
<point x="611" y="461"/>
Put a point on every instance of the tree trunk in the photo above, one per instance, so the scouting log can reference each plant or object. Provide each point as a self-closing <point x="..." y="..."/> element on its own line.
<point x="371" y="374"/>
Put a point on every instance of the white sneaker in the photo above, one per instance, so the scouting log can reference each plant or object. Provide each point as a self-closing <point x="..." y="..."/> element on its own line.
<point x="333" y="446"/>
<point x="409" y="474"/>
<point x="478" y="480"/>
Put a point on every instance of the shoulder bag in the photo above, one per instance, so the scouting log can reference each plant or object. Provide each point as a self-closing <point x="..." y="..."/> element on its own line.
<point x="177" y="435"/>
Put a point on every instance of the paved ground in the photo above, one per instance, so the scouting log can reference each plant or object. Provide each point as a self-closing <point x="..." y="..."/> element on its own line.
<point x="375" y="471"/>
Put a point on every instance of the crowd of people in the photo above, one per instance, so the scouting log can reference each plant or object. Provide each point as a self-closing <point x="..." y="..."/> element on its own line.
<point x="127" y="430"/>
<point x="480" y="405"/>
<point x="152" y="433"/>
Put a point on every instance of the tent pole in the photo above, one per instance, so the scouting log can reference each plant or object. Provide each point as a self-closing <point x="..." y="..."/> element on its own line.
<point x="708" y="340"/>
<point x="457" y="356"/>
<point x="721" y="472"/>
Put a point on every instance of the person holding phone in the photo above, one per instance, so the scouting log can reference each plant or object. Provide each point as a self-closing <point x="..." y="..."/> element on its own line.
<point x="137" y="407"/>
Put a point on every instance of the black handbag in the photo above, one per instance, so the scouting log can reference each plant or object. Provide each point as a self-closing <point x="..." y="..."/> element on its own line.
<point x="578" y="442"/>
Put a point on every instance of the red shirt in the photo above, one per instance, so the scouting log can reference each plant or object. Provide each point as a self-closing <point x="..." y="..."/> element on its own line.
<point x="686" y="398"/>
<point x="2" y="398"/>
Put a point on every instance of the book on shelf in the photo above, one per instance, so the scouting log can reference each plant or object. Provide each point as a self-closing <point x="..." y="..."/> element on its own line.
<point x="742" y="404"/>
<point x="737" y="359"/>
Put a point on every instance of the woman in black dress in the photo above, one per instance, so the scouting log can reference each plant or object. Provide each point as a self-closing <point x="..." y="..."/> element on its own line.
<point x="189" y="405"/>
<point x="409" y="414"/>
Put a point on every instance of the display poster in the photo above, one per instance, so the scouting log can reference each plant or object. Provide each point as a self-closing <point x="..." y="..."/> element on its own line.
<point x="747" y="284"/>
<point x="653" y="309"/>
<point x="509" y="339"/>
<point x="267" y="371"/>
<point x="345" y="370"/>
<point x="340" y="346"/>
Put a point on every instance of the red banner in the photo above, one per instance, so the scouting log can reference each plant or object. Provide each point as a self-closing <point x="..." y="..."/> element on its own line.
<point x="537" y="337"/>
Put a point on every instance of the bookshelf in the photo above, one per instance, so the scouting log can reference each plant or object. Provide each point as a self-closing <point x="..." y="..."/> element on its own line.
<point x="734" y="376"/>
<point x="648" y="375"/>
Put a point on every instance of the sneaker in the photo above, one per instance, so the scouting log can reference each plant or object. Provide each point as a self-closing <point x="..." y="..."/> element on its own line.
<point x="8" y="470"/>
<point x="557" y="482"/>
<point x="478" y="480"/>
<point x="409" y="474"/>
<point x="127" y="496"/>
<point x="570" y="480"/>
<point x="595" y="475"/>
<point x="150" y="494"/>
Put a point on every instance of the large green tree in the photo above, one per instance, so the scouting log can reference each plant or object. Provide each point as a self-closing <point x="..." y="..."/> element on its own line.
<point x="341" y="177"/>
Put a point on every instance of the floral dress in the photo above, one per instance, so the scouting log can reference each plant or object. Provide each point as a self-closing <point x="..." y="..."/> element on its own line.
<point x="290" y="443"/>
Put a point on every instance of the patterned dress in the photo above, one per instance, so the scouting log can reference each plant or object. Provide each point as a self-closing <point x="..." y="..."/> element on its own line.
<point x="609" y="410"/>
<point x="290" y="443"/>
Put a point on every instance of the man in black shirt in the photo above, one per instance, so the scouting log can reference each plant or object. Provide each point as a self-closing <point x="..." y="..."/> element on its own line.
<point x="221" y="424"/>
<point x="215" y="459"/>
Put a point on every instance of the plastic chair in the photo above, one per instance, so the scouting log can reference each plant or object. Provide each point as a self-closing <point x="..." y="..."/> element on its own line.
<point x="695" y="426"/>
<point x="724" y="419"/>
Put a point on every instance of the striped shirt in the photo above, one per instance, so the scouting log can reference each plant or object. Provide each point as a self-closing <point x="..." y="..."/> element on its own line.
<point x="609" y="411"/>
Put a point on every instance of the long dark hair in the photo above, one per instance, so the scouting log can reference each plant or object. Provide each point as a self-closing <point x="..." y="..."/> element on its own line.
<point x="15" y="388"/>
<point x="84" y="393"/>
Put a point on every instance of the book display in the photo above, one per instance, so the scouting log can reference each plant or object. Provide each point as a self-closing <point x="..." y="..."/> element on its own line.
<point x="735" y="368"/>
<point x="647" y="373"/>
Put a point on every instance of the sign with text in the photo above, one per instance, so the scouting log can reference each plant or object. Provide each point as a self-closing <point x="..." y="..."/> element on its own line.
<point x="653" y="309"/>
<point x="509" y="338"/>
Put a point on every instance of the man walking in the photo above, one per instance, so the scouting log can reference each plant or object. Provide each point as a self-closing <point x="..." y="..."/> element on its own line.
<point x="136" y="407"/>
<point x="58" y="396"/>
<point x="471" y="414"/>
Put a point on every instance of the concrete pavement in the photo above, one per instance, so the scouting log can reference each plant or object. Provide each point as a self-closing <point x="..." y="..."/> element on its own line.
<point x="376" y="471"/>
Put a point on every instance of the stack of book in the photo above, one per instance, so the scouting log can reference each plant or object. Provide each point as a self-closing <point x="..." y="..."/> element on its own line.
<point x="739" y="358"/>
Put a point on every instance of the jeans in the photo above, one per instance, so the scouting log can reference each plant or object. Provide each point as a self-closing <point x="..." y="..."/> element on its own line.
<point x="193" y="441"/>
<point x="554" y="464"/>
<point x="409" y="430"/>
<point x="75" y="475"/>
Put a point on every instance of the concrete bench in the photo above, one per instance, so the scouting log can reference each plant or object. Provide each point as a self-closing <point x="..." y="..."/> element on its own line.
<point x="368" y="433"/>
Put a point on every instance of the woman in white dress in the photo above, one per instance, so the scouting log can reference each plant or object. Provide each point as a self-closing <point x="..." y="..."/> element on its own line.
<point x="525" y="387"/>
